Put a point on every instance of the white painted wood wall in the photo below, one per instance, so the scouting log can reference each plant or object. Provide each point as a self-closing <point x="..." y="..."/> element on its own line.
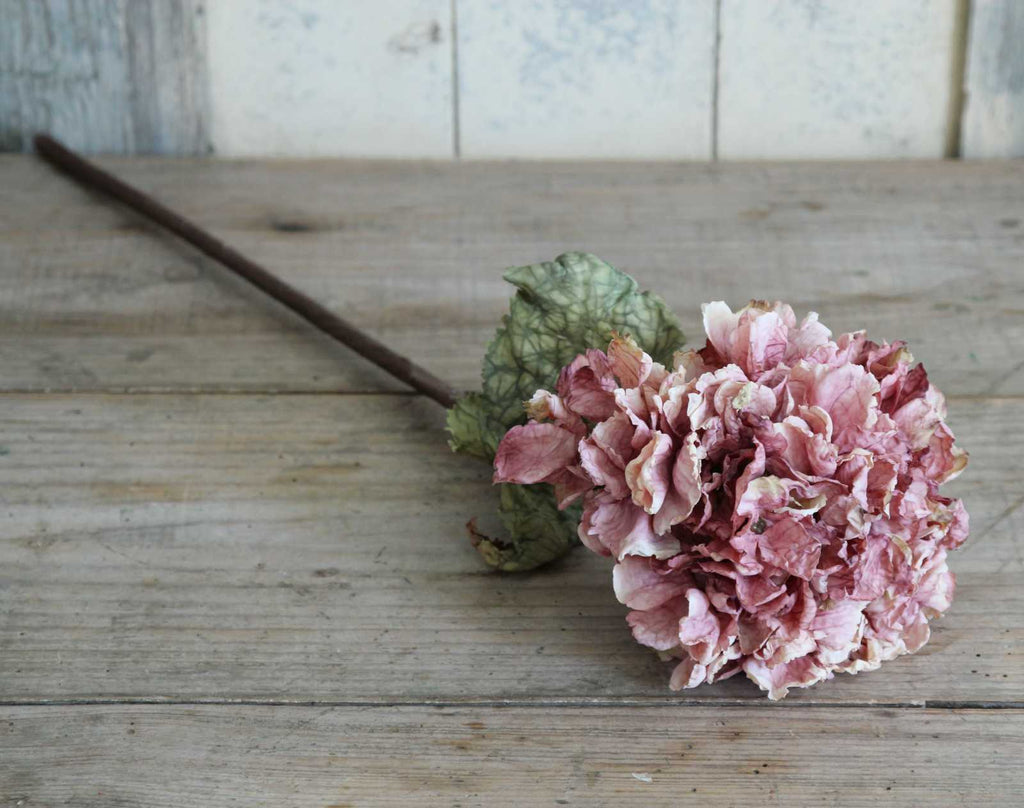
<point x="677" y="79"/>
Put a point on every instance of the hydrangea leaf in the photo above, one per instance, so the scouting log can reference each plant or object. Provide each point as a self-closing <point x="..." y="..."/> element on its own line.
<point x="473" y="427"/>
<point x="538" y="531"/>
<point x="560" y="309"/>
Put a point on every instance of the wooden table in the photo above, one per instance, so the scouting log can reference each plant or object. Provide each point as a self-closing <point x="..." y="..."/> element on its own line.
<point x="233" y="566"/>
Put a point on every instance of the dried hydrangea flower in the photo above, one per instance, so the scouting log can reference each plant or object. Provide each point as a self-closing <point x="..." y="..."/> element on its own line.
<point x="772" y="501"/>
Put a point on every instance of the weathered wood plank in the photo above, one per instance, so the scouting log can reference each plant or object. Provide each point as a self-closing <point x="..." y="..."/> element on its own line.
<point x="106" y="76"/>
<point x="210" y="756"/>
<point x="311" y="548"/>
<point x="993" y="123"/>
<point x="834" y="80"/>
<point x="575" y="80"/>
<point x="91" y="300"/>
<point x="328" y="78"/>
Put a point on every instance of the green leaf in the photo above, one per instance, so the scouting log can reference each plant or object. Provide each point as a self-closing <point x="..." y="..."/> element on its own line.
<point x="473" y="427"/>
<point x="538" y="531"/>
<point x="560" y="309"/>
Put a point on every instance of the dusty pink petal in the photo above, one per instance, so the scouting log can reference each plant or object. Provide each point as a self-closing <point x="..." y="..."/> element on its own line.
<point x="753" y="634"/>
<point x="779" y="649"/>
<point x="701" y="405"/>
<point x="532" y="453"/>
<point x="766" y="341"/>
<point x="591" y="396"/>
<point x="615" y="437"/>
<point x="788" y="546"/>
<point x="919" y="418"/>
<point x="642" y="583"/>
<point x="793" y="622"/>
<point x="602" y="468"/>
<point x="586" y="532"/>
<point x="658" y="628"/>
<point x="545" y="406"/>
<point x="688" y="673"/>
<point x="882" y="478"/>
<point x="873" y="568"/>
<point x="943" y="460"/>
<point x="802" y="672"/>
<point x="757" y="591"/>
<point x="686" y="488"/>
<point x="587" y="386"/>
<point x="720" y="324"/>
<point x="565" y="377"/>
<point x="570" y="484"/>
<point x="624" y="529"/>
<point x="853" y="471"/>
<point x="761" y="496"/>
<point x="809" y="340"/>
<point x="699" y="625"/>
<point x="958" y="527"/>
<point x="648" y="474"/>
<point x="700" y="632"/>
<point x="629" y="363"/>
<point x="633" y="404"/>
<point x="936" y="586"/>
<point x="913" y="501"/>
<point x="847" y="393"/>
<point x="755" y="338"/>
<point x="839" y="628"/>
<point x="807" y="451"/>
<point x="903" y="385"/>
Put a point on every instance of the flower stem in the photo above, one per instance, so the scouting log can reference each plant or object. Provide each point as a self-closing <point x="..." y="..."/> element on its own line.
<point x="331" y="324"/>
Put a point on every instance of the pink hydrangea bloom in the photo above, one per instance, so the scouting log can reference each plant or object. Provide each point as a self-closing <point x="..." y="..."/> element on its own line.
<point x="772" y="501"/>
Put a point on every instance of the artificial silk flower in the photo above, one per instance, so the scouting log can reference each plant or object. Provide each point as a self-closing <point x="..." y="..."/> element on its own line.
<point x="771" y="502"/>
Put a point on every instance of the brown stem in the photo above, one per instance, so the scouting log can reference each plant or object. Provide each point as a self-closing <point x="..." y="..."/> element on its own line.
<point x="344" y="332"/>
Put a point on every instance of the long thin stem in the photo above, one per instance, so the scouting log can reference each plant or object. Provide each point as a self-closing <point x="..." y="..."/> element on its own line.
<point x="344" y="332"/>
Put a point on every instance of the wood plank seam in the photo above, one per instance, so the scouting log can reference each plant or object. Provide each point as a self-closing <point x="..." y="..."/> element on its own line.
<point x="624" y="703"/>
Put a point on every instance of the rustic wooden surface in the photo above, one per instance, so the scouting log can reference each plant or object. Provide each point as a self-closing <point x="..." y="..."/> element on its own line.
<point x="232" y="558"/>
<point x="110" y="76"/>
<point x="658" y="79"/>
<point x="328" y="757"/>
<point x="993" y="122"/>
<point x="790" y="85"/>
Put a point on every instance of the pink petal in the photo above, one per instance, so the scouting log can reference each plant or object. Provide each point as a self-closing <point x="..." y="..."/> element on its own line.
<point x="658" y="628"/>
<point x="545" y="406"/>
<point x="603" y="469"/>
<point x="788" y="546"/>
<point x="699" y="625"/>
<point x="587" y="386"/>
<point x="640" y="584"/>
<point x="805" y="341"/>
<point x="688" y="673"/>
<point x="686" y="488"/>
<point x="802" y="672"/>
<point x="647" y="475"/>
<point x="629" y="363"/>
<point x="846" y="393"/>
<point x="623" y="529"/>
<point x="532" y="453"/>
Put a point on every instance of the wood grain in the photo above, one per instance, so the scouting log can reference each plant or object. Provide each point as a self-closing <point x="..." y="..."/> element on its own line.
<point x="326" y="78"/>
<point x="311" y="549"/>
<point x="90" y="299"/>
<point x="994" y="114"/>
<point x="572" y="80"/>
<point x="480" y="756"/>
<point x="834" y="80"/>
<point x="233" y="565"/>
<point x="105" y="76"/>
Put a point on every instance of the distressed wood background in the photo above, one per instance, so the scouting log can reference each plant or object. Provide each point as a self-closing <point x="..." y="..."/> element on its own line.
<point x="233" y="564"/>
<point x="676" y="79"/>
